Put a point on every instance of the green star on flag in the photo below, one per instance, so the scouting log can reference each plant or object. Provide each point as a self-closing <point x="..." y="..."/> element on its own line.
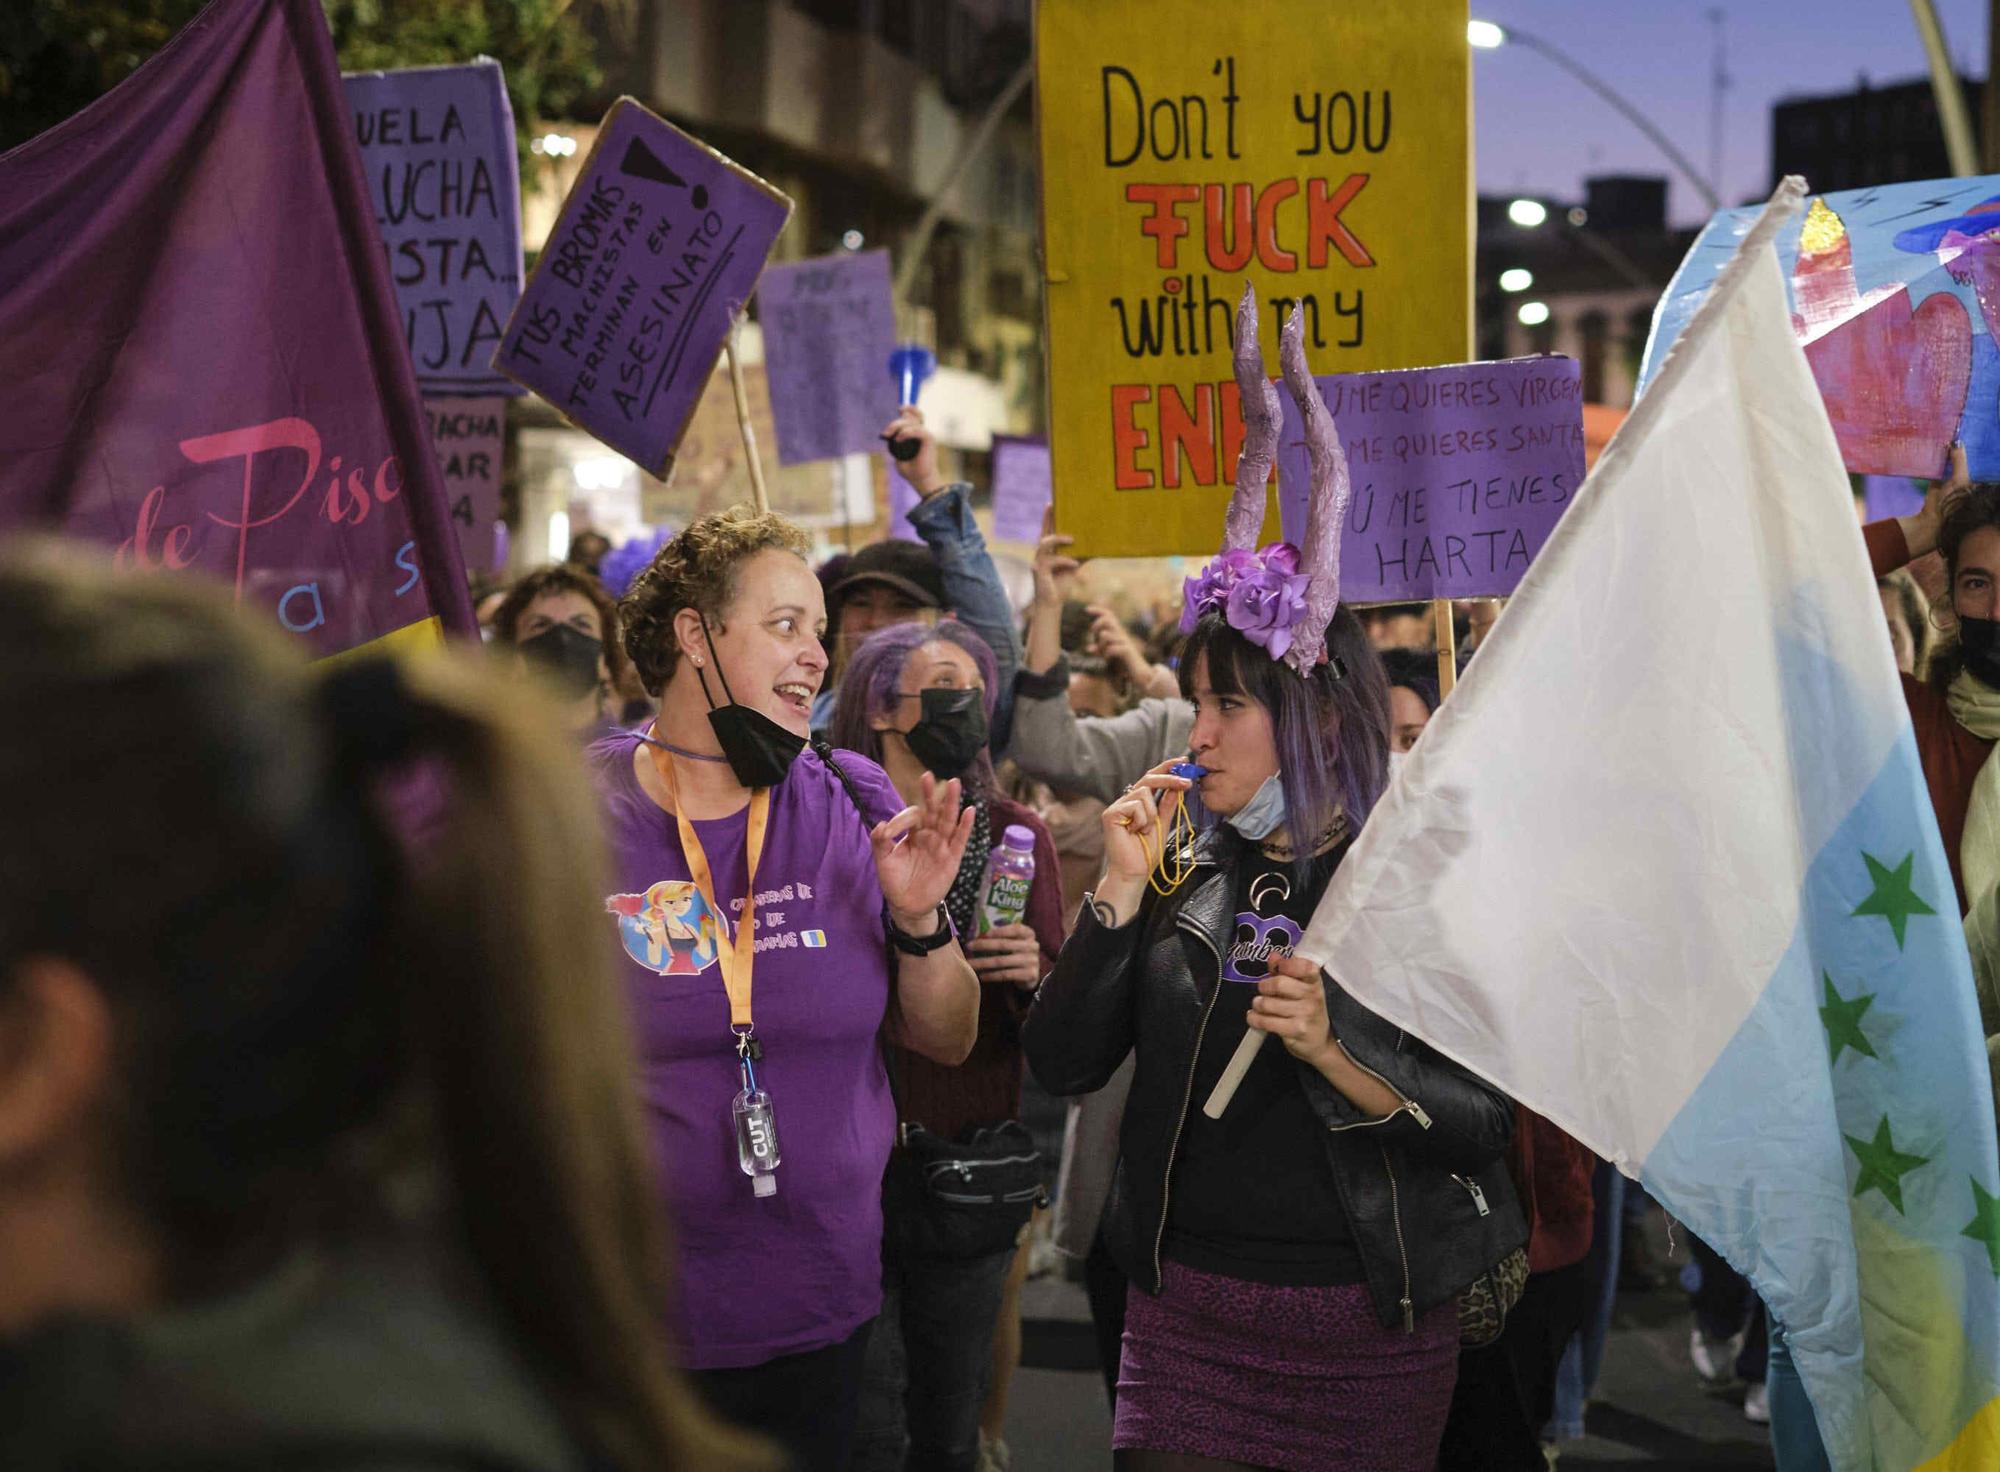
<point x="1842" y="1020"/>
<point x="1883" y="1166"/>
<point x="1892" y="899"/>
<point x="1985" y="1224"/>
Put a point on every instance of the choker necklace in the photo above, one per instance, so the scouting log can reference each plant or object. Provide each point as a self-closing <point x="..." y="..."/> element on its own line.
<point x="693" y="756"/>
<point x="1335" y="831"/>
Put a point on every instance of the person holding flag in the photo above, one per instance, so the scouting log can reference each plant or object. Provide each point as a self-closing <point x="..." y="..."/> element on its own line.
<point x="1299" y="1245"/>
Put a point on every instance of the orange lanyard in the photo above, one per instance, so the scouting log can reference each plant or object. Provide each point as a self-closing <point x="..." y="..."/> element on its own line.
<point x="736" y="966"/>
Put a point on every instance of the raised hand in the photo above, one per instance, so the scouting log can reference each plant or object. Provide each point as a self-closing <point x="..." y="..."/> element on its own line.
<point x="1053" y="570"/>
<point x="917" y="853"/>
<point x="920" y="470"/>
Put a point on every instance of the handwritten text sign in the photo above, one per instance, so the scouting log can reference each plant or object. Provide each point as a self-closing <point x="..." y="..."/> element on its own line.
<point x="437" y="146"/>
<point x="657" y="248"/>
<point x="470" y="435"/>
<point x="1317" y="151"/>
<point x="1020" y="487"/>
<point x="829" y="327"/>
<point x="1459" y="474"/>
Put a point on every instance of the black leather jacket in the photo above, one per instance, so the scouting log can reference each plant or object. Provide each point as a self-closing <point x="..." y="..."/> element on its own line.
<point x="1425" y="1189"/>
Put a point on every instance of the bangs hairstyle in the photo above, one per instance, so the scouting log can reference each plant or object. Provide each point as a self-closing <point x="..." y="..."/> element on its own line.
<point x="1332" y="734"/>
<point x="1977" y="509"/>
<point x="873" y="679"/>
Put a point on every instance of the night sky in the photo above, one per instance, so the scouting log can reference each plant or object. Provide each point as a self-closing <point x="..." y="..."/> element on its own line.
<point x="1542" y="131"/>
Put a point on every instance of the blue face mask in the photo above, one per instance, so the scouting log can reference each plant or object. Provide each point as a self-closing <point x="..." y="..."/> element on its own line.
<point x="1258" y="818"/>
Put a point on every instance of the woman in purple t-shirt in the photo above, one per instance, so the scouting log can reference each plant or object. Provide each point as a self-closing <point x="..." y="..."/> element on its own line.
<point x="777" y="914"/>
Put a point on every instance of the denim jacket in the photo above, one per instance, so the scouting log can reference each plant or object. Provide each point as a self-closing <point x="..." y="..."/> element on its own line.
<point x="972" y="591"/>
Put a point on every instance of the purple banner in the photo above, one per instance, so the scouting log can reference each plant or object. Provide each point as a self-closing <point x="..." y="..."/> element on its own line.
<point x="1021" y="485"/>
<point x="437" y="149"/>
<point x="829" y="327"/>
<point x="201" y="361"/>
<point x="658" y="246"/>
<point x="470" y="436"/>
<point x="1459" y="474"/>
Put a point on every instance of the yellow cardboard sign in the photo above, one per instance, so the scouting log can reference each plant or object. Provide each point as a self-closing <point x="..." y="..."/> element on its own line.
<point x="1320" y="151"/>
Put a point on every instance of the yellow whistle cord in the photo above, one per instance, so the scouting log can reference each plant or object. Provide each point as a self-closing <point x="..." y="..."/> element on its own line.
<point x="1171" y="848"/>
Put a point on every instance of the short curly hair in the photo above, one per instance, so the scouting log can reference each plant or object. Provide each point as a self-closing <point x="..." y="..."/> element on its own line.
<point x="562" y="577"/>
<point x="697" y="570"/>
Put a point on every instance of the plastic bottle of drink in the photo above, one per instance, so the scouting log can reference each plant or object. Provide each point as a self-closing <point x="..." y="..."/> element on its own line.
<point x="757" y="1140"/>
<point x="1009" y="872"/>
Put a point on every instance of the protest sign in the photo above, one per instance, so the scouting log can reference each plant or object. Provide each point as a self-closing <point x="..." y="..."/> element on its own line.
<point x="1459" y="474"/>
<point x="657" y="248"/>
<point x="829" y="327"/>
<point x="437" y="149"/>
<point x="1895" y="293"/>
<point x="200" y="354"/>
<point x="1020" y="487"/>
<point x="1317" y="152"/>
<point x="470" y="436"/>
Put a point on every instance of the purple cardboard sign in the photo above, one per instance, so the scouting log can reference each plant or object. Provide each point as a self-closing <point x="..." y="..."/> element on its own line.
<point x="437" y="146"/>
<point x="201" y="361"/>
<point x="829" y="327"/>
<point x="1891" y="495"/>
<point x="1021" y="487"/>
<point x="657" y="248"/>
<point x="1459" y="474"/>
<point x="470" y="435"/>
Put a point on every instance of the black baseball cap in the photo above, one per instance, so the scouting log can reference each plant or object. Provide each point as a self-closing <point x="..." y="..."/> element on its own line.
<point x="908" y="567"/>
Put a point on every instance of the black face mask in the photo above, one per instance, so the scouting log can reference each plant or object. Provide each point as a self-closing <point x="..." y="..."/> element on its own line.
<point x="568" y="655"/>
<point x="759" y="750"/>
<point x="950" y="733"/>
<point x="1979" y="639"/>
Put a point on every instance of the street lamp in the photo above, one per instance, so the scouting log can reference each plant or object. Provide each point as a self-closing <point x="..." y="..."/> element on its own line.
<point x="1527" y="213"/>
<point x="1516" y="278"/>
<point x="1533" y="314"/>
<point x="1486" y="36"/>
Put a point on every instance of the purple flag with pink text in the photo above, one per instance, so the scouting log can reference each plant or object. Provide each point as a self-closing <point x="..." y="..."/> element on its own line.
<point x="202" y="365"/>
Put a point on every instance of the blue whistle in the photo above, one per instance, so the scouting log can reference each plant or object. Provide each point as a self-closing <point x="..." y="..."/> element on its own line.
<point x="1193" y="771"/>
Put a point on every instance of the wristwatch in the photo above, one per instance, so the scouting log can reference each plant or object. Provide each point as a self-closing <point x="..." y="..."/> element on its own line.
<point x="922" y="945"/>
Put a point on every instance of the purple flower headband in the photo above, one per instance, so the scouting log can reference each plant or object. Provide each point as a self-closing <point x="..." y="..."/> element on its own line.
<point x="1281" y="597"/>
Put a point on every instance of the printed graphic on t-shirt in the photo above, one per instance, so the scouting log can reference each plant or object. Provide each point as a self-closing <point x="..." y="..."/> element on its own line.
<point x="1260" y="937"/>
<point x="670" y="928"/>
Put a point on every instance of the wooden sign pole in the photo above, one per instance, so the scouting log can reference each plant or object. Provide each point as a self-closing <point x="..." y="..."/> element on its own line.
<point x="743" y="419"/>
<point x="1447" y="646"/>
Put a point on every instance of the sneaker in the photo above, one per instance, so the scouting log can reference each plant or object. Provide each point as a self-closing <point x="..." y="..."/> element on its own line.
<point x="1757" y="1405"/>
<point x="1550" y="1451"/>
<point x="1714" y="1359"/>
<point x="993" y="1454"/>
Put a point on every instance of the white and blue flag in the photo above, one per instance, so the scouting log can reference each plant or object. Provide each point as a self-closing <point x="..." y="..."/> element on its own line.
<point x="1665" y="869"/>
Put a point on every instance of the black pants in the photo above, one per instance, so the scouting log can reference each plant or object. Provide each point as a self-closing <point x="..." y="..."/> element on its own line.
<point x="807" y="1403"/>
<point x="1725" y="1305"/>
<point x="1105" y="1284"/>
<point x="1507" y="1390"/>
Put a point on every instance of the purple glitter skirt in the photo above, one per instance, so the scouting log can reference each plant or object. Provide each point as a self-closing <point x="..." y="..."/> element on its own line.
<point x="1298" y="1379"/>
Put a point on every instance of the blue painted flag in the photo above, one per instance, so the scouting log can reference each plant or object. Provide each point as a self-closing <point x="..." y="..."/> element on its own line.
<point x="1664" y="868"/>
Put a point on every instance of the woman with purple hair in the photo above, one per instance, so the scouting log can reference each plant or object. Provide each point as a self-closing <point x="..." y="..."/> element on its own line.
<point x="918" y="699"/>
<point x="1298" y="1222"/>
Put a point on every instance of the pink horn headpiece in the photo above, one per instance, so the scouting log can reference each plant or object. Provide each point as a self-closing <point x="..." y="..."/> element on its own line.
<point x="1326" y="505"/>
<point x="1262" y="417"/>
<point x="1275" y="597"/>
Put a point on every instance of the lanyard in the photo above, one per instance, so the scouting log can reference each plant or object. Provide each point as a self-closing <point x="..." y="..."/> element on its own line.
<point x="736" y="967"/>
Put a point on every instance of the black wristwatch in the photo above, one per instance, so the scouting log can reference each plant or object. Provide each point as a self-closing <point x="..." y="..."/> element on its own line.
<point x="921" y="945"/>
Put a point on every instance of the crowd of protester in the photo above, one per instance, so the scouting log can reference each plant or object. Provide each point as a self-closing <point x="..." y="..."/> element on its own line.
<point x="361" y="1105"/>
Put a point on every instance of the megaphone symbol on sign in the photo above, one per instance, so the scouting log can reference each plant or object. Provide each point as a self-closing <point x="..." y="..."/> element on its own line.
<point x="642" y="163"/>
